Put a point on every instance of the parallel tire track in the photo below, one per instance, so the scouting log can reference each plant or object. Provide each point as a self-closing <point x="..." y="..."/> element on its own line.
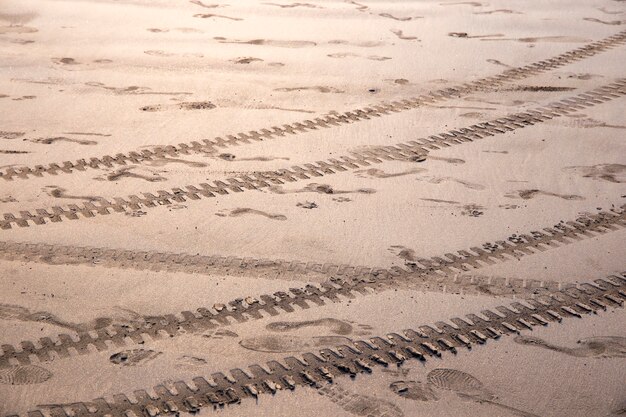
<point x="333" y="119"/>
<point x="405" y="151"/>
<point x="435" y="274"/>
<point x="353" y="358"/>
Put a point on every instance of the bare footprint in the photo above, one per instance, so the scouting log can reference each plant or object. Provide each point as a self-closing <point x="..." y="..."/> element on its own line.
<point x="465" y="35"/>
<point x="133" y="357"/>
<point x="472" y="210"/>
<point x="498" y="11"/>
<point x="307" y="205"/>
<point x="414" y="390"/>
<point x="379" y="173"/>
<point x="594" y="347"/>
<point x="359" y="404"/>
<point x="207" y="6"/>
<point x="530" y="194"/>
<point x="209" y="15"/>
<point x="615" y="173"/>
<point x="65" y="61"/>
<point x="24" y="375"/>
<point x="238" y="212"/>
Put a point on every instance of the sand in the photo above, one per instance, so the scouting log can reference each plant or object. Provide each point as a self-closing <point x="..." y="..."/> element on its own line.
<point x="82" y="79"/>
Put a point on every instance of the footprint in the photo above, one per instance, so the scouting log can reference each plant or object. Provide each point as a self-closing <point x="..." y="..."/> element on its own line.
<point x="65" y="61"/>
<point x="209" y="15"/>
<point x="292" y="5"/>
<point x="11" y="135"/>
<point x="220" y="334"/>
<point x="615" y="173"/>
<point x="400" y="19"/>
<point x="17" y="29"/>
<point x="269" y="42"/>
<point x="403" y="252"/>
<point x="589" y="123"/>
<point x="465" y="35"/>
<point x="24" y="375"/>
<point x="538" y="88"/>
<point x="400" y="35"/>
<point x="207" y="6"/>
<point x="231" y="157"/>
<point x="290" y="343"/>
<point x="58" y="192"/>
<point x="604" y="22"/>
<point x="472" y="210"/>
<point x="133" y="357"/>
<point x="126" y="172"/>
<point x="318" y="88"/>
<point x="414" y="390"/>
<point x="358" y="404"/>
<point x="335" y="326"/>
<point x="379" y="173"/>
<point x="134" y="90"/>
<point x="50" y="141"/>
<point x="320" y="189"/>
<point x="159" y="162"/>
<point x="238" y="212"/>
<point x="496" y="62"/>
<point x="246" y="60"/>
<point x="439" y="180"/>
<point x="559" y="39"/>
<point x="437" y="200"/>
<point x="307" y="205"/>
<point x="530" y="194"/>
<point x="594" y="347"/>
<point x="503" y="11"/>
<point x="468" y="3"/>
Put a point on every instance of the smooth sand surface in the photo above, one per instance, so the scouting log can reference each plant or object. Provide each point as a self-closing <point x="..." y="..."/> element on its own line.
<point x="89" y="78"/>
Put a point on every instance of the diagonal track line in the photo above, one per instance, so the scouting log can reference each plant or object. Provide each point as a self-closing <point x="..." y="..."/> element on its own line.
<point x="328" y="121"/>
<point x="322" y="367"/>
<point x="435" y="274"/>
<point x="405" y="151"/>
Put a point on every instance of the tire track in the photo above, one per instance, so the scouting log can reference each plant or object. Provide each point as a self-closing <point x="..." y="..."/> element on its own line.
<point x="320" y="368"/>
<point x="434" y="274"/>
<point x="328" y="121"/>
<point x="405" y="151"/>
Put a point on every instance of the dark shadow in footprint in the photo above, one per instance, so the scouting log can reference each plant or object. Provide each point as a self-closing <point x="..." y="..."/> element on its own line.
<point x="400" y="19"/>
<point x="245" y="60"/>
<point x="159" y="162"/>
<point x="292" y="5"/>
<point x="593" y="347"/>
<point x="238" y="212"/>
<point x="318" y="88"/>
<point x="134" y="90"/>
<point x="439" y="180"/>
<point x="403" y="252"/>
<point x="11" y="135"/>
<point x="24" y="375"/>
<point x="209" y="15"/>
<point x="133" y="357"/>
<point x="530" y="194"/>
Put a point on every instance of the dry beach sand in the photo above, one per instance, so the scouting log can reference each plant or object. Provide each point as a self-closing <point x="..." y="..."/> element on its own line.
<point x="209" y="205"/>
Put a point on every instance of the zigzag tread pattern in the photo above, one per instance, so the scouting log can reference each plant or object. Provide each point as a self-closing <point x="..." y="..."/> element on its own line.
<point x="405" y="151"/>
<point x="322" y="367"/>
<point x="330" y="120"/>
<point x="345" y="283"/>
